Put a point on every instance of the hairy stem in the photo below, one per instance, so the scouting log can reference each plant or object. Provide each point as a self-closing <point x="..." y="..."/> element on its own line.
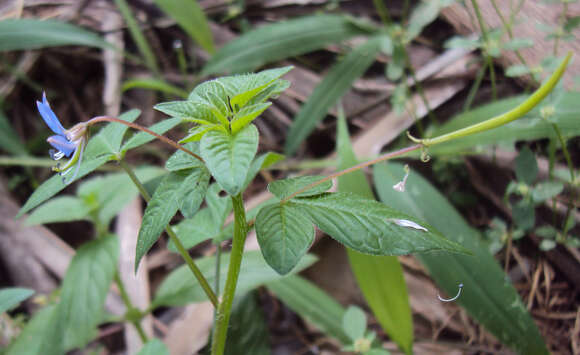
<point x="180" y="248"/>
<point x="225" y="308"/>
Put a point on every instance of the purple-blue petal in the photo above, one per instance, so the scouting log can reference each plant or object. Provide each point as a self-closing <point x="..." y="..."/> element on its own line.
<point x="62" y="144"/>
<point x="49" y="117"/>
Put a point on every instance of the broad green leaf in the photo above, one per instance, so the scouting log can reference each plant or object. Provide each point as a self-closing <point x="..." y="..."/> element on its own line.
<point x="262" y="162"/>
<point x="284" y="235"/>
<point x="11" y="297"/>
<point x="312" y="304"/>
<point x="190" y="17"/>
<point x="42" y="335"/>
<point x="487" y="296"/>
<point x="24" y="34"/>
<point x="60" y="209"/>
<point x="181" y="160"/>
<point x="228" y="157"/>
<point x="154" y="347"/>
<point x="524" y="215"/>
<point x="286" y="187"/>
<point x="140" y="138"/>
<point x="526" y="166"/>
<point x="188" y="110"/>
<point x="84" y="289"/>
<point x="248" y="333"/>
<point x="282" y="40"/>
<point x="154" y="84"/>
<point x="197" y="132"/>
<point x="354" y="323"/>
<point x="9" y="139"/>
<point x="55" y="184"/>
<point x="181" y="288"/>
<point x="371" y="227"/>
<point x="380" y="278"/>
<point x="334" y="85"/>
<point x="163" y="206"/>
<point x="528" y="128"/>
<point x="192" y="195"/>
<point x="546" y="190"/>
<point x="112" y="192"/>
<point x="246" y="115"/>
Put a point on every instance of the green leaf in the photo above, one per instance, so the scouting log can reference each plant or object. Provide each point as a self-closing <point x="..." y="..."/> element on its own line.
<point x="24" y="34"/>
<point x="11" y="297"/>
<point x="547" y="244"/>
<point x="286" y="187"/>
<point x="181" y="160"/>
<point x="396" y="67"/>
<point x="154" y="347"/>
<point x="241" y="89"/>
<point x="526" y="166"/>
<point x="248" y="333"/>
<point x="112" y="192"/>
<point x="354" y="323"/>
<point x="228" y="158"/>
<point x="163" y="206"/>
<point x="380" y="278"/>
<point x="60" y="209"/>
<point x="517" y="70"/>
<point x="487" y="296"/>
<point x="463" y="42"/>
<point x="181" y="288"/>
<point x="195" y="230"/>
<point x="55" y="184"/>
<point x="281" y="40"/>
<point x="246" y="115"/>
<point x="193" y="193"/>
<point x="546" y="190"/>
<point x="284" y="235"/>
<point x="40" y="336"/>
<point x="422" y="15"/>
<point x="140" y="138"/>
<point x="518" y="43"/>
<point x="188" y="110"/>
<point x="84" y="289"/>
<point x="312" y="304"/>
<point x="153" y="84"/>
<point x="371" y="227"/>
<point x="334" y="85"/>
<point x="524" y="215"/>
<point x="197" y="132"/>
<point x="190" y="17"/>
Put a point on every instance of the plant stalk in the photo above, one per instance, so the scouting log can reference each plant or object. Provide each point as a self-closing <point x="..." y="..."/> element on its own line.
<point x="225" y="307"/>
<point x="129" y="305"/>
<point x="180" y="248"/>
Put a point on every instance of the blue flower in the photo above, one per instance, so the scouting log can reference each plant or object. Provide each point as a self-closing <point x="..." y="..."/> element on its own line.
<point x="67" y="143"/>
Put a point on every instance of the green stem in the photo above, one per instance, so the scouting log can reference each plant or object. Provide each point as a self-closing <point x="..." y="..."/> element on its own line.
<point x="225" y="308"/>
<point x="382" y="11"/>
<point x="419" y="87"/>
<point x="506" y="117"/>
<point x="130" y="307"/>
<point x="180" y="248"/>
<point x="492" y="77"/>
<point x="474" y="88"/>
<point x="561" y="24"/>
<point x="565" y="151"/>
